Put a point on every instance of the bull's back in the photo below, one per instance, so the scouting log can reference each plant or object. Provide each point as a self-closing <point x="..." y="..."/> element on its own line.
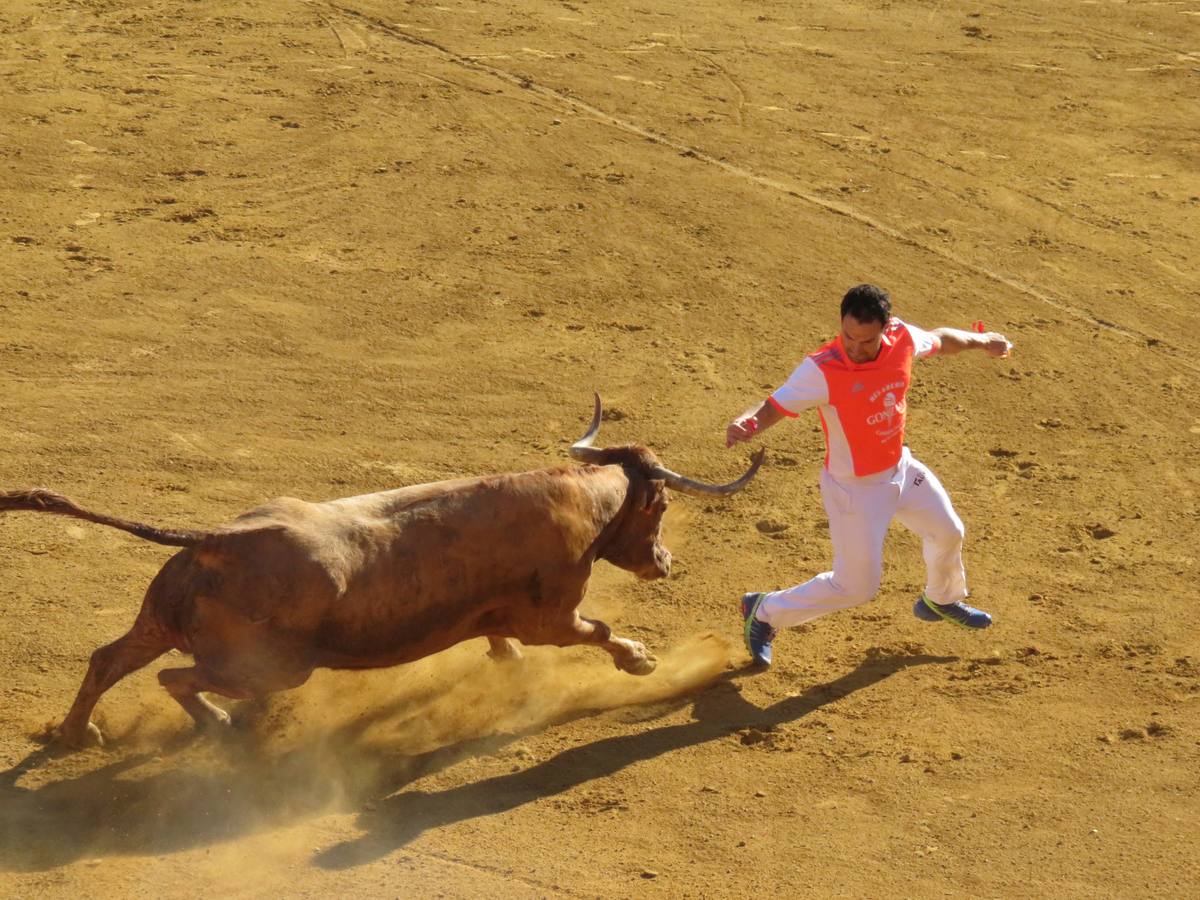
<point x="425" y="569"/>
<point x="390" y="577"/>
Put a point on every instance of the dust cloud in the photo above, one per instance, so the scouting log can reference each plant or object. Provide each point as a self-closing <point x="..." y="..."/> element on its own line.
<point x="461" y="695"/>
<point x="333" y="745"/>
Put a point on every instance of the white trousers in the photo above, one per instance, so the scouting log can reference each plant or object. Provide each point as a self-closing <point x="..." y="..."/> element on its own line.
<point x="859" y="515"/>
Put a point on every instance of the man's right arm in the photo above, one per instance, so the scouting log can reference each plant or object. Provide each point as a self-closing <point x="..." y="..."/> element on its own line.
<point x="804" y="389"/>
<point x="751" y="422"/>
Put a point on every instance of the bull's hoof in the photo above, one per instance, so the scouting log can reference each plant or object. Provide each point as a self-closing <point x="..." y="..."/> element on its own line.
<point x="70" y="739"/>
<point x="210" y="721"/>
<point x="641" y="665"/>
<point x="218" y="722"/>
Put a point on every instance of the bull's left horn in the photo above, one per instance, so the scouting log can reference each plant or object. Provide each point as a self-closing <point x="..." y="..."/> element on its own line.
<point x="582" y="449"/>
<point x="691" y="486"/>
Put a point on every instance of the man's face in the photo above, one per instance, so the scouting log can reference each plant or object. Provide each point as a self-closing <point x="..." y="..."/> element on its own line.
<point x="861" y="340"/>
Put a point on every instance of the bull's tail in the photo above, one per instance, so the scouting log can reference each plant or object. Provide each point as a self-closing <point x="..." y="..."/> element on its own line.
<point x="41" y="500"/>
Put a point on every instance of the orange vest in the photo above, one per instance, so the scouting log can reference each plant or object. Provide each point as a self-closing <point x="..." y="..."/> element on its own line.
<point x="869" y="398"/>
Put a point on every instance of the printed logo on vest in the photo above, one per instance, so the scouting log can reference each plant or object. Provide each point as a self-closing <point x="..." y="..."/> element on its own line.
<point x="892" y="386"/>
<point x="890" y="409"/>
<point x="891" y="419"/>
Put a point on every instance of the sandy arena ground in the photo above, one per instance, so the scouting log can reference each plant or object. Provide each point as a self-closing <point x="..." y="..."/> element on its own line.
<point x="318" y="249"/>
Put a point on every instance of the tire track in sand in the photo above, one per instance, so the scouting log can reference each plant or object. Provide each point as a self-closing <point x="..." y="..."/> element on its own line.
<point x="558" y="96"/>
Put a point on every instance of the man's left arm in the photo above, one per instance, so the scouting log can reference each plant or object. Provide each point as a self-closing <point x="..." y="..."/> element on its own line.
<point x="954" y="340"/>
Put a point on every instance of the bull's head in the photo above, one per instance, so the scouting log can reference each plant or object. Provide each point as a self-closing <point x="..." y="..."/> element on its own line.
<point x="637" y="544"/>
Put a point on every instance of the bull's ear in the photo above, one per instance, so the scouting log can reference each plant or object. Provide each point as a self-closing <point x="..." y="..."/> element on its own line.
<point x="655" y="496"/>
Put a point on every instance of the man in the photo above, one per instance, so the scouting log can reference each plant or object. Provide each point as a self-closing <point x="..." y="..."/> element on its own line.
<point x="858" y="383"/>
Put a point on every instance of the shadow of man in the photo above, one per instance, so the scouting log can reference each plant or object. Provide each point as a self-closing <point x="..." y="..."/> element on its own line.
<point x="401" y="818"/>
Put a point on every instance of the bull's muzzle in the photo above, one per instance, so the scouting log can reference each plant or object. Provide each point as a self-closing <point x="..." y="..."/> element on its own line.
<point x="661" y="567"/>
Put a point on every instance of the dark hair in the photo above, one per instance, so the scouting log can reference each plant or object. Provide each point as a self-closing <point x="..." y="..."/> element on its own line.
<point x="867" y="303"/>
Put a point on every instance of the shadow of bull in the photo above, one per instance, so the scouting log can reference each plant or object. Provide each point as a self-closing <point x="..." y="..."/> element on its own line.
<point x="107" y="812"/>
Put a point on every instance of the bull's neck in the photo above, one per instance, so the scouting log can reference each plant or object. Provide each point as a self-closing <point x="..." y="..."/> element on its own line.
<point x="609" y="487"/>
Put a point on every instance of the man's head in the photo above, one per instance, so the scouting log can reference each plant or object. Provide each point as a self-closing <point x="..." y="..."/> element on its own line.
<point x="866" y="310"/>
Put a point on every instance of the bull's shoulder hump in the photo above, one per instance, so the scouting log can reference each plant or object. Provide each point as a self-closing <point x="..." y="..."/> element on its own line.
<point x="413" y="493"/>
<point x="387" y="504"/>
<point x="547" y="483"/>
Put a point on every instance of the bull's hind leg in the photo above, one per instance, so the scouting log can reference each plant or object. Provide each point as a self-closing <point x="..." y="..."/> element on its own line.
<point x="109" y="664"/>
<point x="185" y="686"/>
<point x="503" y="650"/>
<point x="629" y="656"/>
<point x="259" y="669"/>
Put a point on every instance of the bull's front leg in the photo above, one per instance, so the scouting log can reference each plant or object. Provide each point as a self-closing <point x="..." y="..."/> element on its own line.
<point x="629" y="656"/>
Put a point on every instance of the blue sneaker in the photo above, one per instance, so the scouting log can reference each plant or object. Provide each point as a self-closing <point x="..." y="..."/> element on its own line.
<point x="958" y="613"/>
<point x="758" y="634"/>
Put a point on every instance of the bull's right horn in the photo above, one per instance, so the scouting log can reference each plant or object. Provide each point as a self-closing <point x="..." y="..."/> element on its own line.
<point x="582" y="449"/>
<point x="691" y="486"/>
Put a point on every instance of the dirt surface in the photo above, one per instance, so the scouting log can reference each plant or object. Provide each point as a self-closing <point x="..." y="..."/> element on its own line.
<point x="314" y="249"/>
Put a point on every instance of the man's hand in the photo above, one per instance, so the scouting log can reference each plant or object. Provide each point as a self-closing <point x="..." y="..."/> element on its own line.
<point x="955" y="341"/>
<point x="740" y="431"/>
<point x="996" y="345"/>
<point x="751" y="422"/>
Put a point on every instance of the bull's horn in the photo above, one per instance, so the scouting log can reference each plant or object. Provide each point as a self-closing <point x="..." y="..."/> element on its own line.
<point x="582" y="449"/>
<point x="691" y="486"/>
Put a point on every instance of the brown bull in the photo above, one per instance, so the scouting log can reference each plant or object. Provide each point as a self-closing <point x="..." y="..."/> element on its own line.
<point x="382" y="579"/>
